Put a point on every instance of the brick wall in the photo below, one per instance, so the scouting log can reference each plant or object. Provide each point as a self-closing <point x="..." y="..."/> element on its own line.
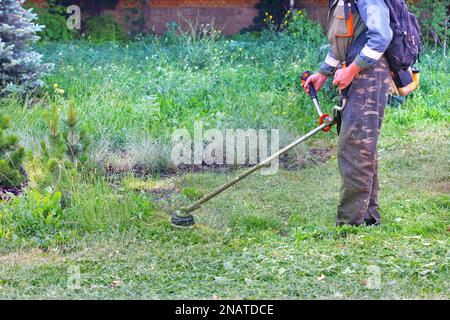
<point x="230" y="16"/>
<point x="317" y="9"/>
<point x="39" y="3"/>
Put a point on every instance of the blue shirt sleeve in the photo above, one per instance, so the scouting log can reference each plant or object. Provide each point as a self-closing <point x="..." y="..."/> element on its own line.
<point x="330" y="64"/>
<point x="375" y="15"/>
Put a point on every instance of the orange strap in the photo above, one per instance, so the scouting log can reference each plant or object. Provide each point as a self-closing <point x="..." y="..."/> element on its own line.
<point x="350" y="28"/>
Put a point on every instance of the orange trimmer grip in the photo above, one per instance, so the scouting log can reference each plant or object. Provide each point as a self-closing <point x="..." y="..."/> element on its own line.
<point x="321" y="119"/>
<point x="312" y="91"/>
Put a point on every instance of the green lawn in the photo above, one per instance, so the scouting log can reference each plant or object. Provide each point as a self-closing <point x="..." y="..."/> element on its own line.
<point x="267" y="237"/>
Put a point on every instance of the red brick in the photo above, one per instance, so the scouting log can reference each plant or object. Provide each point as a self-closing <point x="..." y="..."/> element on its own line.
<point x="230" y="15"/>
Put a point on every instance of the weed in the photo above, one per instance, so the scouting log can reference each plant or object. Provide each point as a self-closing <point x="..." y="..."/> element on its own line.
<point x="34" y="217"/>
<point x="192" y="194"/>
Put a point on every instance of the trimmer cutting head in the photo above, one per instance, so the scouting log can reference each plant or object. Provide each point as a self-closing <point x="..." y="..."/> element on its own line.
<point x="181" y="219"/>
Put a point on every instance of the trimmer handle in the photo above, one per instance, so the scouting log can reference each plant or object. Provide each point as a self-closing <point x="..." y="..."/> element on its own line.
<point x="312" y="91"/>
<point x="344" y="93"/>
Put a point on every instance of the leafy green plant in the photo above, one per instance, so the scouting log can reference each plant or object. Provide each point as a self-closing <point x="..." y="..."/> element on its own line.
<point x="103" y="28"/>
<point x="434" y="18"/>
<point x="54" y="18"/>
<point x="270" y="13"/>
<point x="34" y="216"/>
<point x="11" y="157"/>
<point x="301" y="28"/>
<point x="192" y="193"/>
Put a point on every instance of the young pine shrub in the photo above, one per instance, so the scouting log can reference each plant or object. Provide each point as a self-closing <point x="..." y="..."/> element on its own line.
<point x="75" y="139"/>
<point x="66" y="142"/>
<point x="65" y="149"/>
<point x="20" y="66"/>
<point x="11" y="157"/>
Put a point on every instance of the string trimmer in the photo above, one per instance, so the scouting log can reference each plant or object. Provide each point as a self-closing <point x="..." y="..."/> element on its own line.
<point x="183" y="217"/>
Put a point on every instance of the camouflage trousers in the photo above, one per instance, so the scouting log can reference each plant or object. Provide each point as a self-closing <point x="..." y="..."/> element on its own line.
<point x="357" y="149"/>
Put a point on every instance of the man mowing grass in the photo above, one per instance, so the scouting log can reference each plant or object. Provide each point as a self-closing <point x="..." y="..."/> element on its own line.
<point x="359" y="34"/>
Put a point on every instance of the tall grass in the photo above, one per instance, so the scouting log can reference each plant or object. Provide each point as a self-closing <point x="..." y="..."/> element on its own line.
<point x="130" y="97"/>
